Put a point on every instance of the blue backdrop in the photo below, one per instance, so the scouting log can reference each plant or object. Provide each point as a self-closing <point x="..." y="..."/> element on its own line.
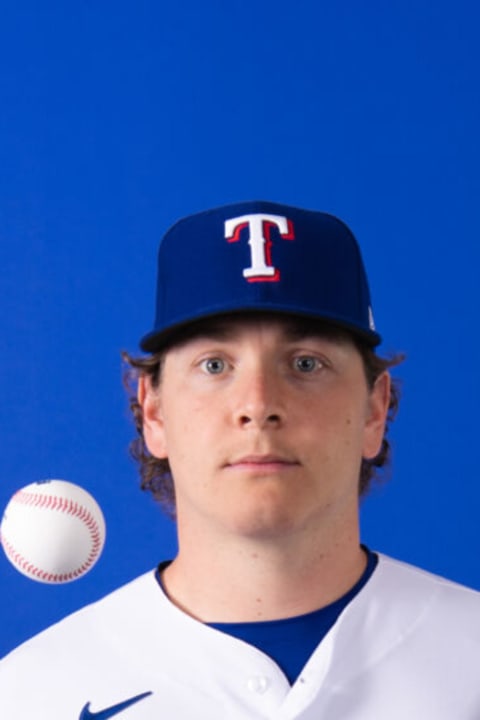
<point x="119" y="117"/>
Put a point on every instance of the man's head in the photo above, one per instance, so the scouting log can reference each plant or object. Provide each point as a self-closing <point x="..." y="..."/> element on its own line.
<point x="258" y="260"/>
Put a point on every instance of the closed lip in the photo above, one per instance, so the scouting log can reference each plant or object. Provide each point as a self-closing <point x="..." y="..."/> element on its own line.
<point x="259" y="460"/>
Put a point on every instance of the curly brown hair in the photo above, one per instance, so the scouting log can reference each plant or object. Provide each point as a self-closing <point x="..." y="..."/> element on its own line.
<point x="155" y="473"/>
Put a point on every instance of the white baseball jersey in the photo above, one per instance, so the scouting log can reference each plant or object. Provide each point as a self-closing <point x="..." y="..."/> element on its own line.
<point x="406" y="648"/>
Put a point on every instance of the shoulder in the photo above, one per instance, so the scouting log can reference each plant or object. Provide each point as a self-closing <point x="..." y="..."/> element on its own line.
<point x="405" y="611"/>
<point x="416" y="580"/>
<point x="429" y="598"/>
<point x="81" y="641"/>
<point x="412" y="638"/>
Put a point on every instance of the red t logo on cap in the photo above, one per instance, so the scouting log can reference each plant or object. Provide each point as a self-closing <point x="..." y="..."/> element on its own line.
<point x="259" y="227"/>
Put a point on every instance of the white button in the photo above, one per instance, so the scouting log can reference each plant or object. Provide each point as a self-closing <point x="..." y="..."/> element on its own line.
<point x="258" y="684"/>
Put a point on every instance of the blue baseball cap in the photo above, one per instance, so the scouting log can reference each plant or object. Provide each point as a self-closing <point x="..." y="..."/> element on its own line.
<point x="260" y="256"/>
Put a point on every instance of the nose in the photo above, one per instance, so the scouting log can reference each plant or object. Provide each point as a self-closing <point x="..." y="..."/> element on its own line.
<point x="259" y="401"/>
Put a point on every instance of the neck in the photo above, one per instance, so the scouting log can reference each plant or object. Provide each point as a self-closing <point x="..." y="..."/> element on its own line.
<point x="236" y="579"/>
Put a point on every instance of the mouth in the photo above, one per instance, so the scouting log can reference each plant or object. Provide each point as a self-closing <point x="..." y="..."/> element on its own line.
<point x="262" y="463"/>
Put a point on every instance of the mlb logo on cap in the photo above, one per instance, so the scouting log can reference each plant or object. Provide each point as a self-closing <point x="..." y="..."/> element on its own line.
<point x="259" y="226"/>
<point x="260" y="257"/>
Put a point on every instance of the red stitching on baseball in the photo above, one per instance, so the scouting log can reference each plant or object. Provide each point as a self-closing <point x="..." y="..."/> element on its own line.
<point x="70" y="507"/>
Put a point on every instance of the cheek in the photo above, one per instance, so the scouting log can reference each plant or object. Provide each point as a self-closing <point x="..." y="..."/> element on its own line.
<point x="186" y="429"/>
<point x="347" y="443"/>
<point x="334" y="439"/>
<point x="347" y="433"/>
<point x="346" y="429"/>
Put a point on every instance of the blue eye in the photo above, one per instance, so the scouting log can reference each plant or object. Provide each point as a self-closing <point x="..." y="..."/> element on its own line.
<point x="306" y="363"/>
<point x="214" y="366"/>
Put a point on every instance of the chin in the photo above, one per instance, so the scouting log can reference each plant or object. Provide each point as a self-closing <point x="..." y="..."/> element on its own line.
<point x="265" y="523"/>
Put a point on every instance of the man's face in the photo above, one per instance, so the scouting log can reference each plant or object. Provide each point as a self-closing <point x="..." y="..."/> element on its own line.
<point x="264" y="427"/>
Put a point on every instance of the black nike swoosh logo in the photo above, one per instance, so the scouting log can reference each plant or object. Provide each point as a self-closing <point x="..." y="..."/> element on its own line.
<point x="87" y="714"/>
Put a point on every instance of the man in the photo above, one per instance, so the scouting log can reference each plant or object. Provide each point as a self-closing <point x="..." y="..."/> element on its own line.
<point x="261" y="412"/>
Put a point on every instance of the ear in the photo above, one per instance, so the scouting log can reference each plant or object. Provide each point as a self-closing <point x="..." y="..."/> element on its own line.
<point x="153" y="424"/>
<point x="378" y="403"/>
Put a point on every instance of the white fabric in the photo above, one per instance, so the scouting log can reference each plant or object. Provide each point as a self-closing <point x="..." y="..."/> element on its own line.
<point x="406" y="648"/>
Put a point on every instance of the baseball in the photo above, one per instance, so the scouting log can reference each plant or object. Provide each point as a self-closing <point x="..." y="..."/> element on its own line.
<point x="52" y="531"/>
